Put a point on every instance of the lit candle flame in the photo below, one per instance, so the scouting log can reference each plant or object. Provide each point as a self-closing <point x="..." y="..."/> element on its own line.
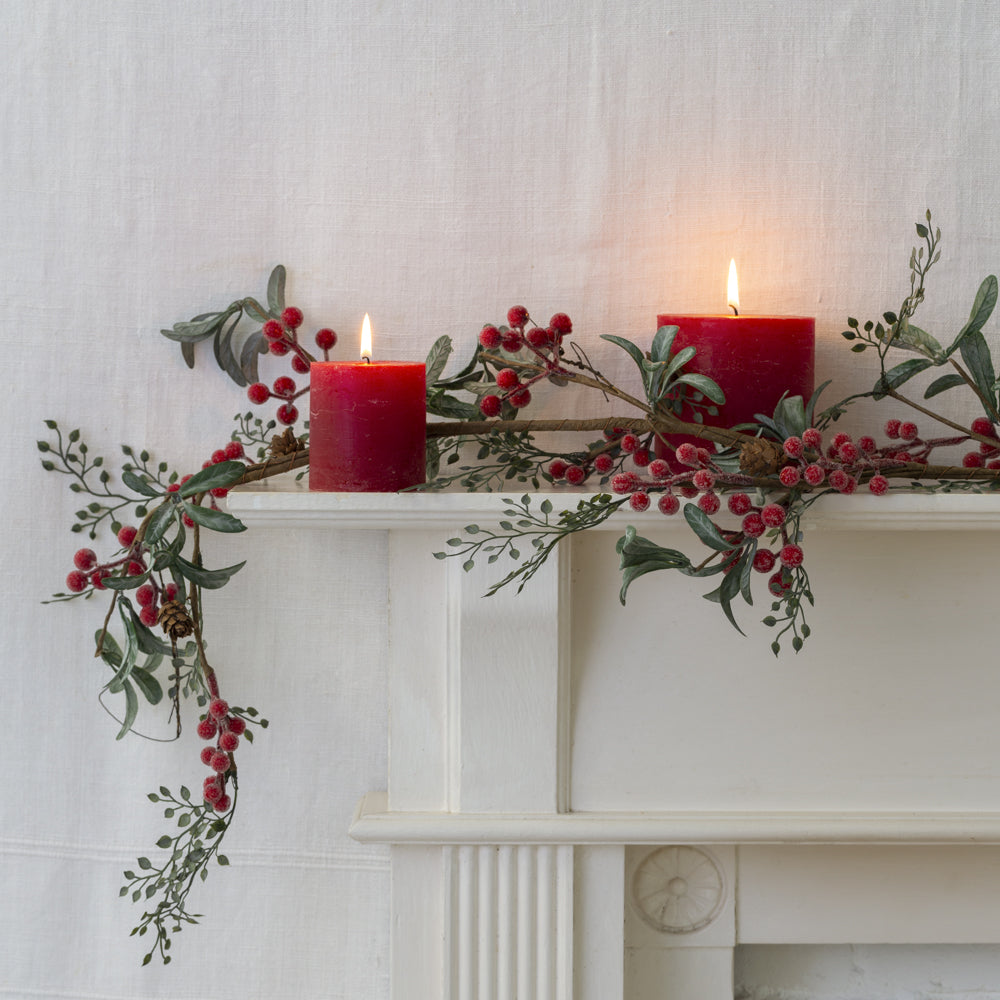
<point x="733" y="290"/>
<point x="366" y="339"/>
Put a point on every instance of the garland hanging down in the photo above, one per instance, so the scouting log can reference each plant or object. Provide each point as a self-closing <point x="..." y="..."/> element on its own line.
<point x="742" y="490"/>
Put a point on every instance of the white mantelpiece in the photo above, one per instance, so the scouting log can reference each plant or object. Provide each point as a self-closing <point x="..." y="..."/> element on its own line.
<point x="595" y="802"/>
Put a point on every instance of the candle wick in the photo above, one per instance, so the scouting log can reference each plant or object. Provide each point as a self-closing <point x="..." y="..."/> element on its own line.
<point x="736" y="311"/>
<point x="367" y="360"/>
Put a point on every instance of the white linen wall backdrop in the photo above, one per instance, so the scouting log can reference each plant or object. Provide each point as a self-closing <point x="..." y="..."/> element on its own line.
<point x="431" y="162"/>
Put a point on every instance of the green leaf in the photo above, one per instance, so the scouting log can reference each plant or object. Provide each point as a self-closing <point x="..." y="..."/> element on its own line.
<point x="218" y="476"/>
<point x="145" y="864"/>
<point x="895" y="377"/>
<point x="703" y="527"/>
<point x="211" y="579"/>
<point x="160" y="521"/>
<point x="943" y="384"/>
<point x="724" y="594"/>
<point x="222" y="859"/>
<point x="200" y="328"/>
<point x="437" y="358"/>
<point x="976" y="355"/>
<point x="150" y="687"/>
<point x="139" y="485"/>
<point x="912" y="338"/>
<point x="640" y="556"/>
<point x="626" y="345"/>
<point x="276" y="290"/>
<point x="125" y="582"/>
<point x="663" y="340"/>
<point x="131" y="711"/>
<point x="223" y="347"/>
<point x="982" y="309"/>
<point x="164" y="842"/>
<point x="703" y="384"/>
<point x="216" y="520"/>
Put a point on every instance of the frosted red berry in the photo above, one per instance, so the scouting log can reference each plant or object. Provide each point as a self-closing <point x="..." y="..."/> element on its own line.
<point x="777" y="584"/>
<point x="867" y="445"/>
<point x="668" y="504"/>
<point x="623" y="482"/>
<point x="207" y="728"/>
<point x="507" y="378"/>
<point x="218" y="708"/>
<point x="789" y="476"/>
<point x="517" y="316"/>
<point x="287" y="413"/>
<point x="908" y="431"/>
<point x="220" y="762"/>
<point x="222" y="804"/>
<point x="135" y="568"/>
<point x="212" y="792"/>
<point x="892" y="428"/>
<point x="753" y="525"/>
<point x="840" y="439"/>
<point x="520" y="398"/>
<point x="739" y="504"/>
<point x="85" y="559"/>
<point x="206" y="758"/>
<point x="686" y="454"/>
<point x="234" y="451"/>
<point x="641" y="457"/>
<point x="703" y="479"/>
<point x="325" y="338"/>
<point x="773" y="515"/>
<point x="709" y="503"/>
<point x="639" y="501"/>
<point x="812" y="438"/>
<point x="300" y="365"/>
<point x="490" y="337"/>
<point x="229" y="741"/>
<point x="659" y="469"/>
<point x="605" y="463"/>
<point x="170" y="591"/>
<point x="126" y="535"/>
<point x="791" y="556"/>
<point x="793" y="447"/>
<point x="283" y="386"/>
<point x="972" y="460"/>
<point x="97" y="578"/>
<point x="629" y="443"/>
<point x="273" y="330"/>
<point x="763" y="561"/>
<point x="279" y="348"/>
<point x="561" y="324"/>
<point x="838" y="479"/>
<point x="813" y="474"/>
<point x="145" y="595"/>
<point x="575" y="474"/>
<point x="76" y="581"/>
<point x="512" y="342"/>
<point x="878" y="485"/>
<point x="292" y="318"/>
<point x="148" y="616"/>
<point x="688" y="492"/>
<point x="539" y="337"/>
<point x="557" y="468"/>
<point x="490" y="405"/>
<point x="236" y="724"/>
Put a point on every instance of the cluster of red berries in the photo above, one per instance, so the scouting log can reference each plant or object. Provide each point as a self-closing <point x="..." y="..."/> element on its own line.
<point x="89" y="572"/>
<point x="575" y="473"/>
<point x="283" y="338"/>
<point x="225" y="729"/>
<point x="544" y="342"/>
<point x="987" y="454"/>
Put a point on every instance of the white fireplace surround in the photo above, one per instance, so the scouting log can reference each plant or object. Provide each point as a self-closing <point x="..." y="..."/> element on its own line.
<point x="595" y="802"/>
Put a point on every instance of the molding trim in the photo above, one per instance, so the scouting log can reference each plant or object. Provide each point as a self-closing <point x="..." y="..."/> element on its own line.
<point x="373" y="823"/>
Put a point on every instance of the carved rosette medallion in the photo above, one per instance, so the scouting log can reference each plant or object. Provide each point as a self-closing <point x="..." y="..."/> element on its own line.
<point x="678" y="889"/>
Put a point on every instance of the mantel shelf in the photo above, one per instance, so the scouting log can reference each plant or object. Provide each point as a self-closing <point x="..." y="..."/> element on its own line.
<point x="283" y="500"/>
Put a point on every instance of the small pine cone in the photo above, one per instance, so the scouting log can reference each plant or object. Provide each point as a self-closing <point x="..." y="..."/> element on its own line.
<point x="284" y="444"/>
<point x="175" y="620"/>
<point x="760" y="457"/>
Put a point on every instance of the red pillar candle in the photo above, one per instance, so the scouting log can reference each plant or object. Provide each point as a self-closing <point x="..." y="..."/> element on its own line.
<point x="754" y="359"/>
<point x="366" y="426"/>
